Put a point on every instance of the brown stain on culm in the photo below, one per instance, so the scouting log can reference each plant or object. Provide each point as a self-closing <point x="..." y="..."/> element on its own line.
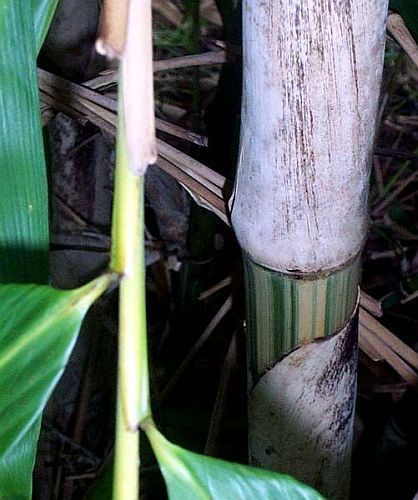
<point x="295" y="51"/>
<point x="343" y="361"/>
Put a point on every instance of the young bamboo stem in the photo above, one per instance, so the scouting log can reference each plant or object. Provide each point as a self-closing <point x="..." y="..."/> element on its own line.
<point x="128" y="260"/>
<point x="135" y="150"/>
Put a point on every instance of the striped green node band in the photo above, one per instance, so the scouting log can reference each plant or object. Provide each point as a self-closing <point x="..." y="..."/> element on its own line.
<point x="285" y="311"/>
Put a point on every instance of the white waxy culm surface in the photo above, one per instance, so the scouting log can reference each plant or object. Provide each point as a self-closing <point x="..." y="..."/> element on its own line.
<point x="312" y="72"/>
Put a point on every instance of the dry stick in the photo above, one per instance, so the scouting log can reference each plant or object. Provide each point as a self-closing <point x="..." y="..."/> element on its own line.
<point x="410" y="297"/>
<point x="219" y="409"/>
<point x="169" y="11"/>
<point x="78" y="219"/>
<point x="216" y="288"/>
<point x="394" y="194"/>
<point x="371" y="305"/>
<point x="224" y="309"/>
<point x="399" y="155"/>
<point x="47" y="79"/>
<point x="209" y="11"/>
<point x="380" y="184"/>
<point x="181" y="132"/>
<point x="391" y="357"/>
<point x="192" y="167"/>
<point x="48" y="82"/>
<point x="199" y="189"/>
<point x="402" y="35"/>
<point x="201" y="194"/>
<point x="389" y="339"/>
<point x="191" y="173"/>
<point x="377" y="169"/>
<point x="82" y="108"/>
<point x="407" y="120"/>
<point x="205" y="59"/>
<point x="367" y="347"/>
<point x="84" y="396"/>
<point x="386" y="254"/>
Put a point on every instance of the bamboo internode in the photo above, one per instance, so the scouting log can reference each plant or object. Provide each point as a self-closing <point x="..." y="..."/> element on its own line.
<point x="312" y="74"/>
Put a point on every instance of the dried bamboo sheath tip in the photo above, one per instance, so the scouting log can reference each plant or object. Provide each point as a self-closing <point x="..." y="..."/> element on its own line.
<point x="112" y="32"/>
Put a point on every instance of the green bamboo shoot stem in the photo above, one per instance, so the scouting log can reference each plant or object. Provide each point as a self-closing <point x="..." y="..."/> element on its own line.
<point x="136" y="149"/>
<point x="133" y="382"/>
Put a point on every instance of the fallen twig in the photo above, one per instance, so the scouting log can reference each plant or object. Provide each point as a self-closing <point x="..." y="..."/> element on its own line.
<point x="402" y="35"/>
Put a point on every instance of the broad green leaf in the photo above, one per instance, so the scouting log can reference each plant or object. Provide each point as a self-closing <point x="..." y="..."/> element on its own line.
<point x="16" y="466"/>
<point x="43" y="12"/>
<point x="38" y="328"/>
<point x="24" y="238"/>
<point x="408" y="9"/>
<point x="190" y="476"/>
<point x="24" y="241"/>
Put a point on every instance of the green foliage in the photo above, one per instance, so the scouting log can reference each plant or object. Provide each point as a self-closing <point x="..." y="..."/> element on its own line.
<point x="408" y="9"/>
<point x="16" y="465"/>
<point x="38" y="328"/>
<point x="190" y="476"/>
<point x="43" y="11"/>
<point x="24" y="240"/>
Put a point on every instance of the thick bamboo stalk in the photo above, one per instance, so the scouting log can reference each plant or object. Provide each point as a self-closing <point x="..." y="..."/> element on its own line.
<point x="298" y="417"/>
<point x="312" y="72"/>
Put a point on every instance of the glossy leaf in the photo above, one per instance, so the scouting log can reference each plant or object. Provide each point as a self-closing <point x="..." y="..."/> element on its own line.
<point x="38" y="328"/>
<point x="190" y="476"/>
<point x="408" y="9"/>
<point x="43" y="11"/>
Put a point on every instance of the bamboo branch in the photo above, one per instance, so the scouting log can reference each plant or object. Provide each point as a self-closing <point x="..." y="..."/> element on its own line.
<point x="135" y="150"/>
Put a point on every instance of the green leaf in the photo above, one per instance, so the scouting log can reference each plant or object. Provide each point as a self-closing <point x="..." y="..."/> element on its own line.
<point x="408" y="9"/>
<point x="16" y="466"/>
<point x="190" y="476"/>
<point x="24" y="239"/>
<point x="43" y="12"/>
<point x="38" y="328"/>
